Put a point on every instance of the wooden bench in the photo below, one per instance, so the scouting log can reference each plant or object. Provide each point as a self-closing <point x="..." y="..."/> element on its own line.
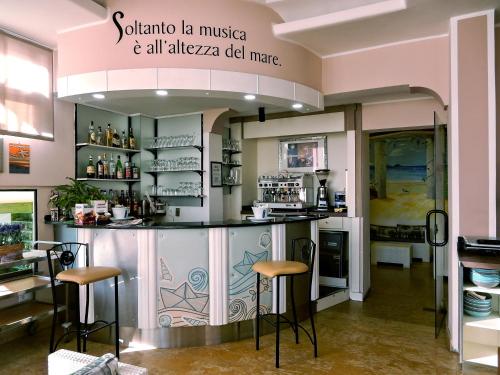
<point x="391" y="252"/>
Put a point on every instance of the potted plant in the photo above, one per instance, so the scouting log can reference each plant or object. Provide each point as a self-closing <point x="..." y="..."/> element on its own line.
<point x="65" y="197"/>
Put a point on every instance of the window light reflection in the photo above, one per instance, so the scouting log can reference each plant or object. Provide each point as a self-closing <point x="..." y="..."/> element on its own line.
<point x="23" y="75"/>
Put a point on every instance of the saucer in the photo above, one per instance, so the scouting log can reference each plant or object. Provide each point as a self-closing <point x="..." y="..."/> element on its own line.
<point x="125" y="218"/>
<point x="263" y="220"/>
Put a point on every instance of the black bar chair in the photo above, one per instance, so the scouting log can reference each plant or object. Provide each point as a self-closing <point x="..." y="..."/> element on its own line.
<point x="303" y="253"/>
<point x="65" y="255"/>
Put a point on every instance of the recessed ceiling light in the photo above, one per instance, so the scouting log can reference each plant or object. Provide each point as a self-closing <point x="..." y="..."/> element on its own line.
<point x="297" y="106"/>
<point x="207" y="93"/>
<point x="98" y="96"/>
<point x="249" y="97"/>
<point x="161" y="92"/>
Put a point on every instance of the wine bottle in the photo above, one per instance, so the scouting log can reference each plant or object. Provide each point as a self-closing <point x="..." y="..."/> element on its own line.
<point x="98" y="140"/>
<point x="105" y="166"/>
<point x="112" y="168"/>
<point x="132" y="144"/>
<point x="92" y="136"/>
<point x="109" y="136"/>
<point x="135" y="172"/>
<point x="119" y="168"/>
<point x="90" y="168"/>
<point x="99" y="167"/>
<point x="128" y="170"/>
<point x="116" y="139"/>
<point x="124" y="141"/>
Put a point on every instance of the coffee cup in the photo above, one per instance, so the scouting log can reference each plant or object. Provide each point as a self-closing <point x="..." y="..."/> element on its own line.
<point x="260" y="212"/>
<point x="120" y="212"/>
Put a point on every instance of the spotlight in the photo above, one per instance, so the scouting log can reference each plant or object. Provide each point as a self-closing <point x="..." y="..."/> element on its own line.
<point x="262" y="114"/>
<point x="161" y="92"/>
<point x="249" y="97"/>
<point x="297" y="106"/>
<point x="98" y="96"/>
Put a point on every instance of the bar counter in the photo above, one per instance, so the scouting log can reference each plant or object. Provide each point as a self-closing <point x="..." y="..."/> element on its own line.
<point x="191" y="283"/>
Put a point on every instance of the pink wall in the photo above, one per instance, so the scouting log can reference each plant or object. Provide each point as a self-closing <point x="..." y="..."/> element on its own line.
<point x="473" y="126"/>
<point x="422" y="63"/>
<point x="95" y="48"/>
<point x="51" y="162"/>
<point x="400" y="115"/>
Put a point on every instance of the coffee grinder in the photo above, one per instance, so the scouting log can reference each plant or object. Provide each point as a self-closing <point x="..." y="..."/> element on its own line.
<point x="322" y="196"/>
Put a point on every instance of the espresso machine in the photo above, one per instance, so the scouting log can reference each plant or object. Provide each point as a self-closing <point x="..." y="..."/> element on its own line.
<point x="293" y="192"/>
<point x="322" y="201"/>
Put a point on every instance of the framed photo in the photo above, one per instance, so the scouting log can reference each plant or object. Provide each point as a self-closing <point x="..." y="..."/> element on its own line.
<point x="19" y="158"/>
<point x="215" y="174"/>
<point x="303" y="154"/>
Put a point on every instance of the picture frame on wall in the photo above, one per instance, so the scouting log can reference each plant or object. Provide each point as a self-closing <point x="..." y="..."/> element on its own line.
<point x="1" y="155"/>
<point x="216" y="174"/>
<point x="304" y="154"/>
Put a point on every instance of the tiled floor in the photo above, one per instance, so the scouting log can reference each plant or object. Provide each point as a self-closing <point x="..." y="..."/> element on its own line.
<point x="390" y="333"/>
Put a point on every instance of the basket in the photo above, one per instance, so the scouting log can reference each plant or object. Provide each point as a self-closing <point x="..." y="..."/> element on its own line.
<point x="11" y="252"/>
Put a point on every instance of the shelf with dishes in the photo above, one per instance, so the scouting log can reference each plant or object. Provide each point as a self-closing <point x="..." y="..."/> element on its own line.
<point x="167" y="148"/>
<point x="232" y="165"/>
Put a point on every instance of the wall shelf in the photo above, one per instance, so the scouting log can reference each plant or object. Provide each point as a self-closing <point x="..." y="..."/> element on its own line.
<point x="109" y="179"/>
<point x="179" y="171"/>
<point x="232" y="152"/>
<point x="155" y="149"/>
<point x="107" y="148"/>
<point x="231" y="165"/>
<point x="177" y="196"/>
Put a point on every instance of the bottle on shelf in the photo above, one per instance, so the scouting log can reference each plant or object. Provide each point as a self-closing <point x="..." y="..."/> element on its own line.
<point x="119" y="168"/>
<point x="123" y="140"/>
<point x="99" y="167"/>
<point x="116" y="139"/>
<point x="128" y="170"/>
<point x="112" y="167"/>
<point x="121" y="200"/>
<point x="110" y="198"/>
<point x="105" y="166"/>
<point x="135" y="172"/>
<point x="132" y="144"/>
<point x="90" y="168"/>
<point x="92" y="135"/>
<point x="98" y="140"/>
<point x="109" y="136"/>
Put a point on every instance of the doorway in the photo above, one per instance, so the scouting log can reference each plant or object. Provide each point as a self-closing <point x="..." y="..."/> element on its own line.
<point x="408" y="226"/>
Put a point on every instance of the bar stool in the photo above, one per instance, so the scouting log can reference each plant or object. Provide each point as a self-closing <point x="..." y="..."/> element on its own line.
<point x="66" y="255"/>
<point x="303" y="249"/>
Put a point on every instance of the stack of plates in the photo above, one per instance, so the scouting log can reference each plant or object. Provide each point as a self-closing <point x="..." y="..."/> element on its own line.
<point x="477" y="303"/>
<point x="485" y="278"/>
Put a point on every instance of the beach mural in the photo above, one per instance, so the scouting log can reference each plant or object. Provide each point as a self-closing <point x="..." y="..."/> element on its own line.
<point x="401" y="178"/>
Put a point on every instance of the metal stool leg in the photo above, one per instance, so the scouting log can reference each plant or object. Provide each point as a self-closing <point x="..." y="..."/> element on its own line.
<point x="78" y="325"/>
<point x="277" y="321"/>
<point x="294" y="310"/>
<point x="313" y="328"/>
<point x="117" y="324"/>
<point x="85" y="336"/>
<point x="54" y="322"/>
<point x="257" y="315"/>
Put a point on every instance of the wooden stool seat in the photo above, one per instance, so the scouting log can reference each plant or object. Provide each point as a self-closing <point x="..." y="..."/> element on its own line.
<point x="280" y="267"/>
<point x="87" y="275"/>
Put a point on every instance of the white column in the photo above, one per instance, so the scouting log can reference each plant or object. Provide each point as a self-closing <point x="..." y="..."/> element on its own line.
<point x="218" y="249"/>
<point x="279" y="253"/>
<point x="147" y="274"/>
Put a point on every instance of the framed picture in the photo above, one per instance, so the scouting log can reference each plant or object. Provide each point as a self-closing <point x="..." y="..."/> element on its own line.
<point x="303" y="154"/>
<point x="19" y="158"/>
<point x="215" y="174"/>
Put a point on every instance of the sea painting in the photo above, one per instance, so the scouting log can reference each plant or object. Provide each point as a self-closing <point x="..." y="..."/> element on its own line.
<point x="19" y="158"/>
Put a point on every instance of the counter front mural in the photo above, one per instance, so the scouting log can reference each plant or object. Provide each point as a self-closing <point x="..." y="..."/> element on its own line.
<point x="183" y="298"/>
<point x="247" y="246"/>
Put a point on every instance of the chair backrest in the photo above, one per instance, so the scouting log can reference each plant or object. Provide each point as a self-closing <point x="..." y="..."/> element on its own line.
<point x="65" y="254"/>
<point x="304" y="250"/>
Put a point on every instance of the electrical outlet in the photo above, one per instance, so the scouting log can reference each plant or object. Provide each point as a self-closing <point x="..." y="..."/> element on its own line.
<point x="177" y="211"/>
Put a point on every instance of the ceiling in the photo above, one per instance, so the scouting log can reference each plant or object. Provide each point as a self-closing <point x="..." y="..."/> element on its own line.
<point x="325" y="27"/>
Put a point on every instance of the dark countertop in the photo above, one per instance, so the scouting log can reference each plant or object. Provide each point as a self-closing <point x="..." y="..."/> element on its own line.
<point x="204" y="224"/>
<point x="247" y="210"/>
